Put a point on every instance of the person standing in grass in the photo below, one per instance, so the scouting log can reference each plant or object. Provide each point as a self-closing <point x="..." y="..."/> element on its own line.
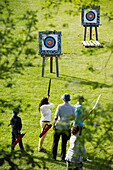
<point x="79" y="113"/>
<point x="44" y="109"/>
<point x="61" y="124"/>
<point x="16" y="126"/>
<point x="75" y="152"/>
<point x="79" y="118"/>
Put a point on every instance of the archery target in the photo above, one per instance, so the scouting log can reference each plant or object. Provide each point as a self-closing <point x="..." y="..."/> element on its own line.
<point x="50" y="42"/>
<point x="90" y="17"/>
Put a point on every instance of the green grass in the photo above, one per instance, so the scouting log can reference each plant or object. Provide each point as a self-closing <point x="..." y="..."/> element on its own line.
<point x="82" y="71"/>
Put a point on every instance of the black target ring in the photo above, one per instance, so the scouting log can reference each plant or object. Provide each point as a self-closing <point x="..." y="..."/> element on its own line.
<point x="90" y="16"/>
<point x="49" y="42"/>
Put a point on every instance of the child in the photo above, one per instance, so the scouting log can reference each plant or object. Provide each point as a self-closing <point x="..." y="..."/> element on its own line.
<point x="16" y="124"/>
<point x="44" y="109"/>
<point x="75" y="151"/>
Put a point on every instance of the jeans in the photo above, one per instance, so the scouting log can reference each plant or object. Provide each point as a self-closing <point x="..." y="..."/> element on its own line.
<point x="56" y="138"/>
<point x="14" y="136"/>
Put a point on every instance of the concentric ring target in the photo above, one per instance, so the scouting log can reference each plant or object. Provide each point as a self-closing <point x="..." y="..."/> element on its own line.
<point x="49" y="42"/>
<point x="90" y="16"/>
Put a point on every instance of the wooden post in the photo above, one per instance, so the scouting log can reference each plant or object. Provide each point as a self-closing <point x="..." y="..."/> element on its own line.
<point x="43" y="64"/>
<point x="51" y="64"/>
<point x="96" y="33"/>
<point x="85" y="33"/>
<point x="90" y="36"/>
<point x="57" y="73"/>
<point x="90" y="32"/>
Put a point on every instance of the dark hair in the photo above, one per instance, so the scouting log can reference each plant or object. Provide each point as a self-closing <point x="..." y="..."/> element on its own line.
<point x="16" y="110"/>
<point x="80" y="98"/>
<point x="75" y="129"/>
<point x="43" y="101"/>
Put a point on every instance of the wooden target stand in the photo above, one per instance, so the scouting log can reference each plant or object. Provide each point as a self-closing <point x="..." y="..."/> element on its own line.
<point x="51" y="63"/>
<point x="91" y="43"/>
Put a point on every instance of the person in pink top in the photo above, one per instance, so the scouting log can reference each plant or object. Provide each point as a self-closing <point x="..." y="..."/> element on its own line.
<point x="44" y="109"/>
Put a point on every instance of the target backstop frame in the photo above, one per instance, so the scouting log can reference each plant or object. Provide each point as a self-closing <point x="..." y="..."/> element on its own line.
<point x="50" y="46"/>
<point x="90" y="17"/>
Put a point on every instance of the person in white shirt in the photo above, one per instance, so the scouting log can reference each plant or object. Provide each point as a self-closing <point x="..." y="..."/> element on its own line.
<point x="44" y="109"/>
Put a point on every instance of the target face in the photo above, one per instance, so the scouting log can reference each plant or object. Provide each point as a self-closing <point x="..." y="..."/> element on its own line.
<point x="49" y="42"/>
<point x="90" y="15"/>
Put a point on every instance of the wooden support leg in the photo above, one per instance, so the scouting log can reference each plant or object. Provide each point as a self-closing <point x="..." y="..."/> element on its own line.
<point x="51" y="64"/>
<point x="85" y="33"/>
<point x="43" y="64"/>
<point x="90" y="32"/>
<point x="96" y="33"/>
<point x="57" y="72"/>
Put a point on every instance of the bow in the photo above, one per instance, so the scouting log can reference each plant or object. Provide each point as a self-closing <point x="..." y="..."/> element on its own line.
<point x="94" y="105"/>
<point x="49" y="88"/>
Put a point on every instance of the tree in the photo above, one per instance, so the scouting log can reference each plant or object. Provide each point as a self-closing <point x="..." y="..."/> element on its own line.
<point x="12" y="45"/>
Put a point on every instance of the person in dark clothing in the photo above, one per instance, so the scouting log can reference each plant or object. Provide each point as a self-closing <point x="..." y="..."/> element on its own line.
<point x="16" y="126"/>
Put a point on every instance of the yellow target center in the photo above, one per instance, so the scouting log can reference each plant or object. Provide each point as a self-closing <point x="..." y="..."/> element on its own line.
<point x="90" y="16"/>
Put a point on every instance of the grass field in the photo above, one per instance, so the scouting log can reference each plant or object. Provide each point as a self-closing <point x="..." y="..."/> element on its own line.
<point x="82" y="71"/>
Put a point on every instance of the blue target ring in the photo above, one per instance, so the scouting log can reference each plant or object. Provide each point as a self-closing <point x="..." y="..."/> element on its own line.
<point x="90" y="16"/>
<point x="49" y="42"/>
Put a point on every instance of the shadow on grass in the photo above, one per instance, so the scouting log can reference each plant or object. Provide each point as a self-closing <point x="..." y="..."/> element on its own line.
<point x="98" y="164"/>
<point x="80" y="81"/>
<point x="4" y="104"/>
<point x="95" y="164"/>
<point x="17" y="160"/>
<point x="11" y="104"/>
